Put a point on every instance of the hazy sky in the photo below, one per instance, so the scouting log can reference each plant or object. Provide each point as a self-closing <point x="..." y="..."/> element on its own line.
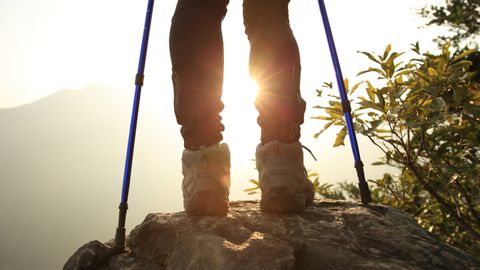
<point x="50" y="45"/>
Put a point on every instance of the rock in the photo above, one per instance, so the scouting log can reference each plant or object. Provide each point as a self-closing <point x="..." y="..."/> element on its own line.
<point x="92" y="255"/>
<point x="327" y="235"/>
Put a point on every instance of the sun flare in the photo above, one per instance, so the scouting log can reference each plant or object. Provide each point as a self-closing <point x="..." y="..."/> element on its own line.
<point x="240" y="115"/>
<point x="239" y="90"/>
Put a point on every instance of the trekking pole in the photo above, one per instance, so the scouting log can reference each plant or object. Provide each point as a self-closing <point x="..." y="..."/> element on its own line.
<point x="120" y="233"/>
<point x="346" y="108"/>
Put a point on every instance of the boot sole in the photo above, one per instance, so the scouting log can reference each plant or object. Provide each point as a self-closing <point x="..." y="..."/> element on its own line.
<point x="279" y="201"/>
<point x="207" y="203"/>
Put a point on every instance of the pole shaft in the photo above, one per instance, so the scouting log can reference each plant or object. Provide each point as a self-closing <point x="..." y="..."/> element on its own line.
<point x="120" y="233"/>
<point x="136" y="103"/>
<point x="364" y="191"/>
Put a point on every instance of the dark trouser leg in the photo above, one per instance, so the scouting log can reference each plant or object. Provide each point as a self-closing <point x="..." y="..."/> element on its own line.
<point x="275" y="65"/>
<point x="196" y="50"/>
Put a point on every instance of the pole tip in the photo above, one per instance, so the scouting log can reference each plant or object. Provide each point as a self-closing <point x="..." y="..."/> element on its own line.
<point x="364" y="192"/>
<point x="120" y="236"/>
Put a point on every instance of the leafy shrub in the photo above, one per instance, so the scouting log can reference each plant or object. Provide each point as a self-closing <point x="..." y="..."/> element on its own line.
<point x="424" y="115"/>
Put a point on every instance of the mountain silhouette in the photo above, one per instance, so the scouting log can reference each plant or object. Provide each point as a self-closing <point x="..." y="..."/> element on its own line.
<point x="61" y="170"/>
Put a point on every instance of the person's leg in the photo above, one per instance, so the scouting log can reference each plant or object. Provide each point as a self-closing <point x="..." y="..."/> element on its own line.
<point x="275" y="65"/>
<point x="196" y="49"/>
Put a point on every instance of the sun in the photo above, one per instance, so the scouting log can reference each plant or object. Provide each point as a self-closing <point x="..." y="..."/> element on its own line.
<point x="239" y="89"/>
<point x="242" y="132"/>
<point x="239" y="115"/>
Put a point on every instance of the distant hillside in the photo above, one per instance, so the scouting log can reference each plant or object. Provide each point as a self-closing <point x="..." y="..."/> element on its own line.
<point x="61" y="169"/>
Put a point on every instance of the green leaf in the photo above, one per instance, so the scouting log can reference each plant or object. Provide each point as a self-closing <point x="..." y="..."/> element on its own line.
<point x="387" y="51"/>
<point x="463" y="63"/>
<point x="376" y="123"/>
<point x="334" y="113"/>
<point x="416" y="48"/>
<point x="371" y="91"/>
<point x="335" y="104"/>
<point x="437" y="104"/>
<point x="379" y="71"/>
<point x="425" y="103"/>
<point x="322" y="117"/>
<point x="394" y="56"/>
<point x="340" y="137"/>
<point x="399" y="79"/>
<point x="432" y="72"/>
<point x="381" y="101"/>
<point x="463" y="55"/>
<point x="446" y="49"/>
<point x="328" y="85"/>
<point x="370" y="105"/>
<point x="362" y="72"/>
<point x="327" y="125"/>
<point x="355" y="87"/>
<point x="371" y="57"/>
<point x="423" y="75"/>
<point x="334" y="96"/>
<point x="378" y="163"/>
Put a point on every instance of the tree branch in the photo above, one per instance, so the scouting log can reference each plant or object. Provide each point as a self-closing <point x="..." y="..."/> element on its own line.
<point x="443" y="203"/>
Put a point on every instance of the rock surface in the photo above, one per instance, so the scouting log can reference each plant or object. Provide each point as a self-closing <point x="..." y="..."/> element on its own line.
<point x="327" y="235"/>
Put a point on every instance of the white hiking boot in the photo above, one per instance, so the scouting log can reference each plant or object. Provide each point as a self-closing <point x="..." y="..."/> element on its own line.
<point x="283" y="178"/>
<point x="206" y="180"/>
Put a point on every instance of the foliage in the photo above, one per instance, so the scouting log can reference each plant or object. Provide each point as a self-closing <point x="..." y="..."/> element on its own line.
<point x="343" y="191"/>
<point x="462" y="17"/>
<point x="253" y="190"/>
<point x="425" y="117"/>
<point x="324" y="190"/>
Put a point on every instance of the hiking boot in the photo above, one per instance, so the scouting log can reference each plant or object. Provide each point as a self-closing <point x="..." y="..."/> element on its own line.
<point x="206" y="180"/>
<point x="283" y="178"/>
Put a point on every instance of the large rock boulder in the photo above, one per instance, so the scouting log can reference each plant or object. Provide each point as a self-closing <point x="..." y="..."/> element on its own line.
<point x="327" y="235"/>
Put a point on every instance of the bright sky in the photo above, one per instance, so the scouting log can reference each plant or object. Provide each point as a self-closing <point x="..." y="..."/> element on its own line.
<point x="50" y="45"/>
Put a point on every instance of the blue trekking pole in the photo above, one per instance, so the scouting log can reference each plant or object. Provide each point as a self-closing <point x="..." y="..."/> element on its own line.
<point x="120" y="233"/>
<point x="346" y="108"/>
